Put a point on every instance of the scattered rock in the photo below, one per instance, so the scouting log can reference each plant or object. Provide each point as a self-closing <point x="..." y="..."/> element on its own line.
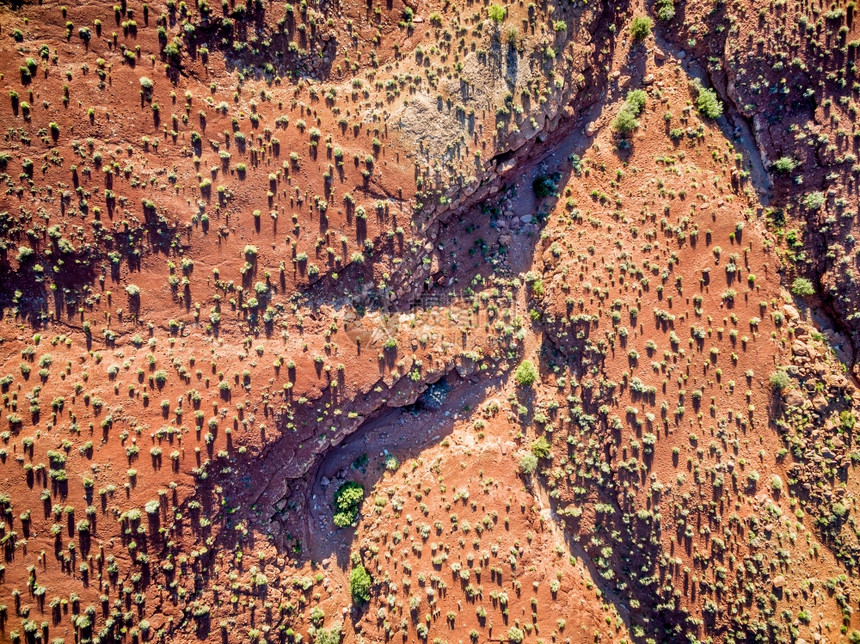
<point x="799" y="348"/>
<point x="794" y="398"/>
<point x="819" y="403"/>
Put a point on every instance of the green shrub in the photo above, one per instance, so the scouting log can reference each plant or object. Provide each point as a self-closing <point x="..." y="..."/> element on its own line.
<point x="541" y="448"/>
<point x="776" y="483"/>
<point x="779" y="380"/>
<point x="515" y="635"/>
<point x="784" y="165"/>
<point x="347" y="500"/>
<point x="545" y="185"/>
<point x="497" y="13"/>
<point x="528" y="463"/>
<point x="526" y="374"/>
<point x="640" y="28"/>
<point x="627" y="120"/>
<point x="802" y="287"/>
<point x="665" y="10"/>
<point x="636" y="100"/>
<point x="814" y="200"/>
<point x="328" y="636"/>
<point x="708" y="104"/>
<point x="359" y="584"/>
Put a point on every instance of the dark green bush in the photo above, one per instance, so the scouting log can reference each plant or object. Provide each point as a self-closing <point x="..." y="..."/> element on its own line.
<point x="545" y="185"/>
<point x="708" y="104"/>
<point x="359" y="584"/>
<point x="347" y="500"/>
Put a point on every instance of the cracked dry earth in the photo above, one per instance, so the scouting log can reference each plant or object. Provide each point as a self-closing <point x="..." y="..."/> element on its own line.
<point x="423" y="322"/>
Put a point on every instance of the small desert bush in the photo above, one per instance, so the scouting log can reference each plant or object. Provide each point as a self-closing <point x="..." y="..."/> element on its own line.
<point x="526" y="374"/>
<point x="628" y="118"/>
<point x="665" y="10"/>
<point x="814" y="200"/>
<point x="528" y="463"/>
<point x="779" y="380"/>
<point x="640" y="28"/>
<point x="708" y="104"/>
<point x="497" y="13"/>
<point x="802" y="287"/>
<point x="784" y="165"/>
<point x="541" y="448"/>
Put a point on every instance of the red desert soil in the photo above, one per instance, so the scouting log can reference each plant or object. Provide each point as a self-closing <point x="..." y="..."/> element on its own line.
<point x="444" y="322"/>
